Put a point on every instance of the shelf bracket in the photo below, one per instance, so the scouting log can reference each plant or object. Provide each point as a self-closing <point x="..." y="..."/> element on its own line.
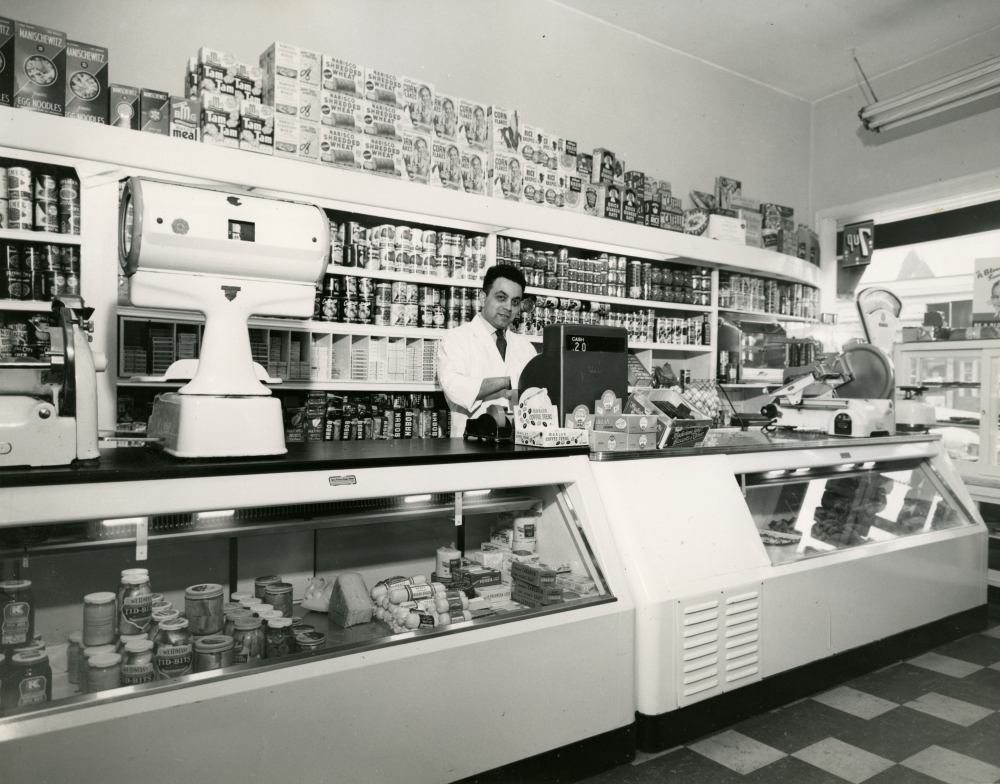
<point x="142" y="539"/>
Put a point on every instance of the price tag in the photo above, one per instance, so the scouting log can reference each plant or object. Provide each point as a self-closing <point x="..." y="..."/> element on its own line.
<point x="859" y="243"/>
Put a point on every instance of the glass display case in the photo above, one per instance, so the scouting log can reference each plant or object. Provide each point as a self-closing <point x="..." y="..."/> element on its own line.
<point x="801" y="513"/>
<point x="446" y="563"/>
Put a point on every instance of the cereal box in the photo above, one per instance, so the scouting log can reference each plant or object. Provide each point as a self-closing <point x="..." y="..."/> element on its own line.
<point x="286" y="136"/>
<point x="585" y="166"/>
<point x="383" y="120"/>
<point x="214" y="72"/>
<point x="755" y="223"/>
<point x="308" y="141"/>
<point x="123" y="110"/>
<point x="86" y="82"/>
<point x="565" y="152"/>
<point x="671" y="221"/>
<point x="340" y="147"/>
<point x="619" y="170"/>
<point x="418" y="103"/>
<point x="604" y="166"/>
<point x="695" y="221"/>
<point x="256" y="127"/>
<point x="474" y="172"/>
<point x="341" y="76"/>
<point x="473" y="131"/>
<point x="651" y="213"/>
<point x="35" y="74"/>
<point x="154" y="112"/>
<point x="741" y="202"/>
<point x="191" y="78"/>
<point x="534" y="182"/>
<point x="636" y="180"/>
<point x="725" y="189"/>
<point x="184" y="118"/>
<point x="547" y="154"/>
<point x="248" y="81"/>
<point x="283" y="94"/>
<point x="774" y="214"/>
<point x="280" y="60"/>
<point x="592" y="196"/>
<point x="382" y="155"/>
<point x="506" y="177"/>
<point x="554" y="185"/>
<point x="446" y="117"/>
<point x="503" y="129"/>
<point x="309" y="103"/>
<point x="220" y="120"/>
<point x="383" y="87"/>
<point x="6" y="71"/>
<point x="531" y="139"/>
<point x="446" y="165"/>
<point x="609" y="201"/>
<point x="416" y="157"/>
<point x="631" y="206"/>
<point x="310" y="68"/>
<point x="573" y="193"/>
<point x="342" y="110"/>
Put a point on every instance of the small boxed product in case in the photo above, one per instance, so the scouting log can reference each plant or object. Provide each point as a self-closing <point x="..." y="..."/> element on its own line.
<point x="721" y="227"/>
<point x="626" y="423"/>
<point x="383" y="87"/>
<point x="473" y="129"/>
<point x="550" y="436"/>
<point x="342" y="110"/>
<point x="342" y="76"/>
<point x="184" y="118"/>
<point x="154" y="112"/>
<point x="608" y="404"/>
<point x="606" y="441"/>
<point x="418" y="104"/>
<point x="532" y="574"/>
<point x="86" y="82"/>
<point x="503" y="129"/>
<point x="506" y="176"/>
<point x="123" y="111"/>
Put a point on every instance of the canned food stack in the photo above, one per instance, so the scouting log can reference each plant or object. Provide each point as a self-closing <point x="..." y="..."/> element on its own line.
<point x="39" y="198"/>
<point x="25" y="338"/>
<point x="380" y="416"/>
<point x="745" y="292"/>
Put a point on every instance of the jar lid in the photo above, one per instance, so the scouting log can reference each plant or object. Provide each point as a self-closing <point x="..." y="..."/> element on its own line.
<point x="296" y="620"/>
<point x="139" y="646"/>
<point x="228" y="607"/>
<point x="262" y="608"/>
<point x="248" y="622"/>
<point x="15" y="585"/>
<point x="157" y="597"/>
<point x="135" y="579"/>
<point x="76" y="637"/>
<point x="162" y="604"/>
<point x="311" y="638"/>
<point x="26" y="658"/>
<point x="213" y="644"/>
<point x="270" y="615"/>
<point x="105" y="660"/>
<point x="204" y="591"/>
<point x="267" y="578"/>
<point x="238" y="596"/>
<point x="279" y="623"/>
<point x="127" y="638"/>
<point x="96" y="650"/>
<point x="165" y="616"/>
<point x="250" y="601"/>
<point x="101" y="597"/>
<point x="173" y="625"/>
<point x="278" y="588"/>
<point x="306" y="627"/>
<point x="135" y="572"/>
<point x="35" y="645"/>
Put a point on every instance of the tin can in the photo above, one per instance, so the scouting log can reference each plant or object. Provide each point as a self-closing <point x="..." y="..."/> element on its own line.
<point x="333" y="286"/>
<point x="213" y="653"/>
<point x="468" y="311"/>
<point x="428" y="240"/>
<point x="20" y="182"/>
<point x="329" y="309"/>
<point x="428" y="296"/>
<point x="410" y="314"/>
<point x="13" y="280"/>
<point x="398" y="293"/>
<point x="4" y="210"/>
<point x="426" y="316"/>
<point x="46" y="188"/>
<point x="20" y="213"/>
<point x="412" y="294"/>
<point x="310" y="640"/>
<point x="364" y="314"/>
<point x="439" y="316"/>
<point x="351" y="286"/>
<point x="349" y="311"/>
<point x="4" y="182"/>
<point x="404" y="261"/>
<point x="69" y="189"/>
<point x="383" y="293"/>
<point x="387" y="259"/>
<point x="396" y="315"/>
<point x="366" y="288"/>
<point x="435" y="265"/>
<point x="451" y="316"/>
<point x="383" y="315"/>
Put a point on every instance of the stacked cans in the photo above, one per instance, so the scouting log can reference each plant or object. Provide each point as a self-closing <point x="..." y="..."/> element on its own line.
<point x="351" y="299"/>
<point x="26" y="339"/>
<point x="381" y="416"/>
<point x="744" y="292"/>
<point x="36" y="271"/>
<point x="32" y="198"/>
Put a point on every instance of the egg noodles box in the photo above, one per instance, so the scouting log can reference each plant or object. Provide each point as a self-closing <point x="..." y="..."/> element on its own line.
<point x="34" y="69"/>
<point x="86" y="82"/>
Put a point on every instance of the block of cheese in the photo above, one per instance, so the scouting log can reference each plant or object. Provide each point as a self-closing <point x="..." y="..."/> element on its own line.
<point x="350" y="603"/>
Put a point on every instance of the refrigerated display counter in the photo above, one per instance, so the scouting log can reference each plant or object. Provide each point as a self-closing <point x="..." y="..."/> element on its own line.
<point x="767" y="568"/>
<point x="550" y="682"/>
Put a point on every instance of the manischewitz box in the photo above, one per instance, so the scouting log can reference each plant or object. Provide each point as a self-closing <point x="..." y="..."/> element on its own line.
<point x="6" y="67"/>
<point x="33" y="71"/>
<point x="184" y="118"/>
<point x="86" y="82"/>
<point x="154" y="112"/>
<point x="123" y="111"/>
<point x="256" y="127"/>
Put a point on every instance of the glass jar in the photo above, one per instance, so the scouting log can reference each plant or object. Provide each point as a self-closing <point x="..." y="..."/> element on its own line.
<point x="104" y="672"/>
<point x="159" y="617"/>
<point x="138" y="664"/>
<point x="100" y="613"/>
<point x="17" y="615"/>
<point x="250" y="602"/>
<point x="228" y="607"/>
<point x="248" y="640"/>
<point x="125" y="639"/>
<point x="262" y="582"/>
<point x="278" y="641"/>
<point x="310" y="641"/>
<point x="203" y="609"/>
<point x="173" y="652"/>
<point x="231" y="617"/>
<point x="121" y="589"/>
<point x="26" y="681"/>
<point x="213" y="653"/>
<point x="260" y="609"/>
<point x="34" y="645"/>
<point x="239" y="596"/>
<point x="161" y="605"/>
<point x="73" y="654"/>
<point x="83" y="672"/>
<point x="270" y="615"/>
<point x="135" y="609"/>
<point x="280" y="595"/>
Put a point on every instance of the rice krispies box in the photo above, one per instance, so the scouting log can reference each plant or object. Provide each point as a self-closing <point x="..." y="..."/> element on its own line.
<point x="256" y="127"/>
<point x="33" y="67"/>
<point x="154" y="112"/>
<point x="383" y="120"/>
<point x="446" y="117"/>
<point x="473" y="130"/>
<point x="86" y="82"/>
<point x="340" y="147"/>
<point x="531" y="138"/>
<point x="341" y="76"/>
<point x="381" y="155"/>
<point x="383" y="87"/>
<point x="534" y="182"/>
<point x="220" y="120"/>
<point x="503" y="129"/>
<point x="554" y="188"/>
<point x="474" y="172"/>
<point x="418" y="103"/>
<point x="184" y="118"/>
<point x="341" y="110"/>
<point x="416" y="157"/>
<point x="446" y="165"/>
<point x="506" y="176"/>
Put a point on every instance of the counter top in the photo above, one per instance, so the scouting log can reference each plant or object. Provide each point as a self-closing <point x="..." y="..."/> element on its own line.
<point x="125" y="464"/>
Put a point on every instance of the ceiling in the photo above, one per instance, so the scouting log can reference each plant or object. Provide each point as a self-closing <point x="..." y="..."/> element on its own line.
<point x="799" y="47"/>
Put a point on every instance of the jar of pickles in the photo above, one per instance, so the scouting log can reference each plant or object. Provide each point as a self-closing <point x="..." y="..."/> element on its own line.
<point x="17" y="615"/>
<point x="159" y="617"/>
<point x="248" y="640"/>
<point x="213" y="653"/>
<point x="135" y="608"/>
<point x="125" y="639"/>
<point x="278" y="638"/>
<point x="261" y="583"/>
<point x="138" y="665"/>
<point x="309" y="641"/>
<point x="173" y="650"/>
<point x="104" y="671"/>
<point x="231" y="617"/>
<point x="26" y="681"/>
<point x="280" y="595"/>
<point x="203" y="609"/>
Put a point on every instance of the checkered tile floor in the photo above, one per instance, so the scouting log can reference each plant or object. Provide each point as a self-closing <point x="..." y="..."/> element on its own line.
<point x="935" y="718"/>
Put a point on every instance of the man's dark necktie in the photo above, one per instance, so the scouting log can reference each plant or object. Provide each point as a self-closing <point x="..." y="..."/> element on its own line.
<point x="502" y="344"/>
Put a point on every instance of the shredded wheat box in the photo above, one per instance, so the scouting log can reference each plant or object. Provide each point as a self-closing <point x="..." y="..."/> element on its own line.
<point x="309" y="103"/>
<point x="416" y="157"/>
<point x="310" y="68"/>
<point x="446" y="117"/>
<point x="220" y="120"/>
<point x="474" y="172"/>
<point x="341" y="147"/>
<point x="382" y="155"/>
<point x="308" y="141"/>
<point x="342" y="76"/>
<point x="503" y="131"/>
<point x="35" y="75"/>
<point x="383" y="87"/>
<point x="86" y="81"/>
<point x="506" y="176"/>
<point x="473" y="130"/>
<point x="256" y="127"/>
<point x="342" y="110"/>
<point x="446" y="165"/>
<point x="184" y="118"/>
<point x="381" y="119"/>
<point x="286" y="136"/>
<point x="418" y="103"/>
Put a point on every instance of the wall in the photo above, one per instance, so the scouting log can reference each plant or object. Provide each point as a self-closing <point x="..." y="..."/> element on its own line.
<point x="668" y="114"/>
<point x="850" y="164"/>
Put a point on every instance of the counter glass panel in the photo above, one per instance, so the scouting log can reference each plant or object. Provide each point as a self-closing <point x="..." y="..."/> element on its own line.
<point x="801" y="513"/>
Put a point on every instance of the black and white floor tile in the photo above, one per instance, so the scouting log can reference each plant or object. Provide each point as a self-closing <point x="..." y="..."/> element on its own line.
<point x="932" y="719"/>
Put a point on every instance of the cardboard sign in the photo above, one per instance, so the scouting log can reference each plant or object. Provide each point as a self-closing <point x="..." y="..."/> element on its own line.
<point x="859" y="243"/>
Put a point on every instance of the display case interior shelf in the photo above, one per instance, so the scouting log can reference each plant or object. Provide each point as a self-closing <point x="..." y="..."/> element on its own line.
<point x="27" y="306"/>
<point x="44" y="237"/>
<point x="623" y="301"/>
<point x="758" y="316"/>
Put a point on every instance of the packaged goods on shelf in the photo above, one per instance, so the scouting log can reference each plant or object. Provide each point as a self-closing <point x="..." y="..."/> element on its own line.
<point x="418" y="105"/>
<point x="609" y="201"/>
<point x="124" y="106"/>
<point x="473" y="129"/>
<point x="808" y="244"/>
<point x="213" y="73"/>
<point x="631" y="206"/>
<point x="342" y="76"/>
<point x="604" y="167"/>
<point x="474" y="172"/>
<point x="383" y="87"/>
<point x="154" y="112"/>
<point x="534" y="182"/>
<point x="309" y="103"/>
<point x="248" y="81"/>
<point x="725" y="189"/>
<point x="696" y="221"/>
<point x="338" y="147"/>
<point x="585" y="166"/>
<point x="256" y="128"/>
<point x="531" y="139"/>
<point x="33" y="69"/>
<point x="721" y="227"/>
<point x="86" y="82"/>
<point x="446" y="165"/>
<point x="382" y="155"/>
<point x="636" y="180"/>
<point x="545" y="151"/>
<point x="671" y="221"/>
<point x="342" y="110"/>
<point x="383" y="120"/>
<point x="740" y="202"/>
<point x="754" y="223"/>
<point x="573" y="194"/>
<point x="291" y="62"/>
<point x="286" y="136"/>
<point x="185" y="118"/>
<point x="505" y="176"/>
<point x="283" y="94"/>
<point x="566" y="157"/>
<point x="416" y="157"/>
<point x="308" y="141"/>
<point x="503" y="129"/>
<point x="220" y="120"/>
<point x="446" y="117"/>
<point x="554" y="188"/>
<point x="651" y="213"/>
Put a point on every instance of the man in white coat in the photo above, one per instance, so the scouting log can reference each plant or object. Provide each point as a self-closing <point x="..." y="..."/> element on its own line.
<point x="480" y="362"/>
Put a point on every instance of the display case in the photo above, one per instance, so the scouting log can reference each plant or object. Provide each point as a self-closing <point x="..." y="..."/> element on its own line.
<point x="474" y="537"/>
<point x="770" y="566"/>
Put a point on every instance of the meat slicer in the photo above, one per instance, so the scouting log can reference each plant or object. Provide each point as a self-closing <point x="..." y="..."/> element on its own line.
<point x="48" y="407"/>
<point x="230" y="256"/>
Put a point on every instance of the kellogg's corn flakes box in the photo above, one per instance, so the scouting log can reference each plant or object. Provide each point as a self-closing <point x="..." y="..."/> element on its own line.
<point x="473" y="130"/>
<point x="446" y="165"/>
<point x="418" y="103"/>
<point x="416" y="149"/>
<point x="446" y="117"/>
<point x="503" y="129"/>
<point x="506" y="176"/>
<point x="474" y="165"/>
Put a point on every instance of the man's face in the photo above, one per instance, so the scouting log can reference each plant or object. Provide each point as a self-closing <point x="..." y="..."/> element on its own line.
<point x="503" y="303"/>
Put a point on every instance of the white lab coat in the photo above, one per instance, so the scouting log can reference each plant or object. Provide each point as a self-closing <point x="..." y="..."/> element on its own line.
<point x="469" y="354"/>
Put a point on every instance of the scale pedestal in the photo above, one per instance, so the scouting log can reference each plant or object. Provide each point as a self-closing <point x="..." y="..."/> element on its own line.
<point x="214" y="426"/>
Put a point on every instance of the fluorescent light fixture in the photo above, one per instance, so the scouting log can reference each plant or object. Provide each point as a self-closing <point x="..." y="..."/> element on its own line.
<point x="869" y="464"/>
<point x="776" y="473"/>
<point x="468" y="493"/>
<point x="122" y="521"/>
<point x="846" y="466"/>
<point x="799" y="471"/>
<point x="217" y="513"/>
<point x="952" y="91"/>
<point x="416" y="499"/>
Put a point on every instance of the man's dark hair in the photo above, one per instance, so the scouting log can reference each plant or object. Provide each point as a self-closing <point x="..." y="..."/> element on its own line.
<point x="507" y="271"/>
